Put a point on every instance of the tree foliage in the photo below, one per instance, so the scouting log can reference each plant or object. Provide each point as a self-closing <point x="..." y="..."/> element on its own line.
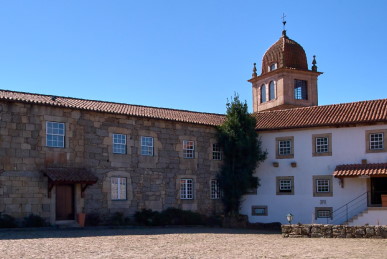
<point x="241" y="155"/>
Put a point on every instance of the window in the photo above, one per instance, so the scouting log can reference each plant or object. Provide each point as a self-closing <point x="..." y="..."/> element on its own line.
<point x="323" y="212"/>
<point x="322" y="144"/>
<point x="259" y="210"/>
<point x="119" y="144"/>
<point x="322" y="185"/>
<point x="188" y="149"/>
<point x="300" y="90"/>
<point x="263" y="93"/>
<point x="285" y="185"/>
<point x="271" y="90"/>
<point x="273" y="67"/>
<point x="215" y="190"/>
<point x="186" y="189"/>
<point x="375" y="141"/>
<point x="284" y="147"/>
<point x="118" y="188"/>
<point x="146" y="146"/>
<point x="55" y="134"/>
<point x="216" y="153"/>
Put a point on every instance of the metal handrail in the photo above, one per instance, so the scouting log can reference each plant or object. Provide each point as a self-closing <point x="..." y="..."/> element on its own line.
<point x="350" y="209"/>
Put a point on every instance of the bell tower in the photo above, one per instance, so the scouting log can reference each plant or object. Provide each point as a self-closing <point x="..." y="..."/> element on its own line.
<point x="285" y="80"/>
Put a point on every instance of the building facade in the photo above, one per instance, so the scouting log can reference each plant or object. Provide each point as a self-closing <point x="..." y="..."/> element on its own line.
<point x="62" y="156"/>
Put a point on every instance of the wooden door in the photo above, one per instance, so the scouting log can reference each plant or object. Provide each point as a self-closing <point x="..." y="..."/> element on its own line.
<point x="65" y="202"/>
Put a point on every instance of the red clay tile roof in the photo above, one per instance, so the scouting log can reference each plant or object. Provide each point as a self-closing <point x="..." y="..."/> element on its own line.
<point x="320" y="116"/>
<point x="70" y="175"/>
<point x="117" y="108"/>
<point x="360" y="169"/>
<point x="286" y="53"/>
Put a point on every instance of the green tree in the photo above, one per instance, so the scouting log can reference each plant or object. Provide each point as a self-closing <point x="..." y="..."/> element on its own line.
<point x="242" y="153"/>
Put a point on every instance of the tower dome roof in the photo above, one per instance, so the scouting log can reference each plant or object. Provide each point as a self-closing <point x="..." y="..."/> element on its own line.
<point x="286" y="53"/>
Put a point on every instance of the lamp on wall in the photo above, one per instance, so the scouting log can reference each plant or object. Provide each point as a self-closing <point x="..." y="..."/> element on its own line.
<point x="289" y="217"/>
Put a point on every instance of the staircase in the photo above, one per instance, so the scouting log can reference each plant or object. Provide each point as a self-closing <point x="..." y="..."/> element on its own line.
<point x="343" y="214"/>
<point x="370" y="216"/>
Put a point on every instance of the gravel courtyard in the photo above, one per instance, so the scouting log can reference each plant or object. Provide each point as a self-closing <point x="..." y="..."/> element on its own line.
<point x="179" y="243"/>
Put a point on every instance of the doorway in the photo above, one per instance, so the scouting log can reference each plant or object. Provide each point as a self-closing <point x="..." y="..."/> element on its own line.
<point x="378" y="187"/>
<point x="65" y="202"/>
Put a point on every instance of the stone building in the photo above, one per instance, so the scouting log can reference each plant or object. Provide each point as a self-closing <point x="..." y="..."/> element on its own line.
<point x="62" y="156"/>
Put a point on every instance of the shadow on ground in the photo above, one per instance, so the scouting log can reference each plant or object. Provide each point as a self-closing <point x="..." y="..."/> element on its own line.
<point x="10" y="234"/>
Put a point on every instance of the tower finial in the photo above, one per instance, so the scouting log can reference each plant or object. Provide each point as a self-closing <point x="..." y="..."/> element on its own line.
<point x="284" y="23"/>
<point x="314" y="62"/>
<point x="254" y="70"/>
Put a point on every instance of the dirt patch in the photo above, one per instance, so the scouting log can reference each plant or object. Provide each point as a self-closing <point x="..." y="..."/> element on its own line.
<point x="179" y="243"/>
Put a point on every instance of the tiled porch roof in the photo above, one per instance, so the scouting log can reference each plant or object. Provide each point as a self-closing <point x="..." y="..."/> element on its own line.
<point x="70" y="175"/>
<point x="354" y="170"/>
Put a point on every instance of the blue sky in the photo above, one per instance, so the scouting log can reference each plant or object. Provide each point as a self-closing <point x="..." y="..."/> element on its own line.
<point x="189" y="55"/>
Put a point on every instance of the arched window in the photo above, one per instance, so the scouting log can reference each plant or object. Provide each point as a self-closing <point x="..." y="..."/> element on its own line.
<point x="300" y="90"/>
<point x="271" y="90"/>
<point x="263" y="93"/>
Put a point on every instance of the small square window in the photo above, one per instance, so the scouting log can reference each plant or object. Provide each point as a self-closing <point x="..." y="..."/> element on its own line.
<point x="215" y="190"/>
<point x="322" y="185"/>
<point x="55" y="134"/>
<point x="375" y="141"/>
<point x="186" y="189"/>
<point x="216" y="153"/>
<point x="119" y="144"/>
<point x="322" y="144"/>
<point x="188" y="149"/>
<point x="259" y="211"/>
<point x="285" y="185"/>
<point x="118" y="188"/>
<point x="146" y="146"/>
<point x="323" y="213"/>
<point x="285" y="147"/>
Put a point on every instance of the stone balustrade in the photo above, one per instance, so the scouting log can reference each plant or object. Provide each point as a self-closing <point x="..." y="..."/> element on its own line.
<point x="333" y="231"/>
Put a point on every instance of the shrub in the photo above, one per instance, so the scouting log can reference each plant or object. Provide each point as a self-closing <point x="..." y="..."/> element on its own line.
<point x="170" y="216"/>
<point x="7" y="221"/>
<point x="147" y="217"/>
<point x="34" y="221"/>
<point x="173" y="216"/>
<point x="92" y="219"/>
<point x="118" y="219"/>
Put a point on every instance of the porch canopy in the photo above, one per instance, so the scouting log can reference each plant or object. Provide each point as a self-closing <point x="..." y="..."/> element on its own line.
<point x="358" y="170"/>
<point x="69" y="176"/>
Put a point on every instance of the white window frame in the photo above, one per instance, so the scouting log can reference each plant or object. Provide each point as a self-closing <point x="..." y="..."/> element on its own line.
<point x="285" y="185"/>
<point x="216" y="152"/>
<point x="55" y="134"/>
<point x="376" y="141"/>
<point x="147" y="146"/>
<point x="119" y="143"/>
<point x="186" y="189"/>
<point x="119" y="193"/>
<point x="259" y="211"/>
<point x="272" y="67"/>
<point x="323" y="186"/>
<point x="323" y="213"/>
<point x="285" y="147"/>
<point x="188" y="149"/>
<point x="322" y="145"/>
<point x="215" y="189"/>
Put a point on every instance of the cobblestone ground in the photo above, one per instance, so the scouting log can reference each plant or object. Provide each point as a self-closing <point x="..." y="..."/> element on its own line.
<point x="179" y="243"/>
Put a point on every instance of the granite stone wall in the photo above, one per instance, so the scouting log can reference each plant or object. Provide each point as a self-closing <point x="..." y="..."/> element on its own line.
<point x="153" y="181"/>
<point x="333" y="231"/>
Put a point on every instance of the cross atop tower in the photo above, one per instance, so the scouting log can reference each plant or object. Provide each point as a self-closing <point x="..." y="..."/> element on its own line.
<point x="283" y="20"/>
